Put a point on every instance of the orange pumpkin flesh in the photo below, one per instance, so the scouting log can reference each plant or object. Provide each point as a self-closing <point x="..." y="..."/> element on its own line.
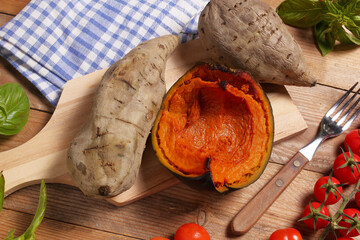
<point x="215" y="120"/>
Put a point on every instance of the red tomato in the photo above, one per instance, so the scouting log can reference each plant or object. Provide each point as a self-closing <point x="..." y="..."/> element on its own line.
<point x="344" y="238"/>
<point x="286" y="234"/>
<point x="351" y="212"/>
<point x="191" y="231"/>
<point x="352" y="140"/>
<point x="345" y="174"/>
<point x="159" y="238"/>
<point x="320" y="190"/>
<point x="320" y="223"/>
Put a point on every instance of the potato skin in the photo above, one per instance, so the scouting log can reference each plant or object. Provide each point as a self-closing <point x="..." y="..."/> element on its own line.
<point x="248" y="34"/>
<point x="104" y="158"/>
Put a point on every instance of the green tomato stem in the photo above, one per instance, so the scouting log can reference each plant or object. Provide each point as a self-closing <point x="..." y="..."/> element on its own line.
<point x="335" y="219"/>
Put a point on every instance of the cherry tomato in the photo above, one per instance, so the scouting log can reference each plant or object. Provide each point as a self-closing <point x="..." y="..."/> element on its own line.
<point x="320" y="190"/>
<point x="352" y="140"/>
<point x="351" y="212"/>
<point x="191" y="231"/>
<point x="159" y="238"/>
<point x="320" y="223"/>
<point x="345" y="174"/>
<point x="344" y="238"/>
<point x="286" y="234"/>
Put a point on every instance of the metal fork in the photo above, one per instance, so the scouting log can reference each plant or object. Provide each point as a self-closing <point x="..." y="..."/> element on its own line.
<point x="329" y="127"/>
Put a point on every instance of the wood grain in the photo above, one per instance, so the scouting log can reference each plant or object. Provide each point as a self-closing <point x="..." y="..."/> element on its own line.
<point x="257" y="206"/>
<point x="160" y="214"/>
<point x="52" y="229"/>
<point x="12" y="7"/>
<point x="313" y="104"/>
<point x="36" y="122"/>
<point x="4" y="18"/>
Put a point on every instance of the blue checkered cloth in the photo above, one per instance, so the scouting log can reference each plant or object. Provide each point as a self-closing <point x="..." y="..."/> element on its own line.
<point x="51" y="42"/>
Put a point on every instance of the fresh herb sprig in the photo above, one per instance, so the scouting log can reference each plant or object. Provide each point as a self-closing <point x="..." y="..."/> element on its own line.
<point x="29" y="234"/>
<point x="332" y="20"/>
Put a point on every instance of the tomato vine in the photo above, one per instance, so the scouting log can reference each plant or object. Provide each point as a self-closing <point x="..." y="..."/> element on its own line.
<point x="328" y="190"/>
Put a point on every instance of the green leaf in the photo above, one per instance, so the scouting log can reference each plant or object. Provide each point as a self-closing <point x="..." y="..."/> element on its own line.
<point x="351" y="37"/>
<point x="343" y="37"/>
<point x="39" y="215"/>
<point x="349" y="24"/>
<point x="356" y="20"/>
<point x="343" y="3"/>
<point x="324" y="37"/>
<point x="349" y="7"/>
<point x="301" y="13"/>
<point x="10" y="236"/>
<point x="333" y="7"/>
<point x="14" y="108"/>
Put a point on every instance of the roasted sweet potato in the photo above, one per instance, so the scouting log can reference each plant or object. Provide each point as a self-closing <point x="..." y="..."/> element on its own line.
<point x="104" y="158"/>
<point x="249" y="35"/>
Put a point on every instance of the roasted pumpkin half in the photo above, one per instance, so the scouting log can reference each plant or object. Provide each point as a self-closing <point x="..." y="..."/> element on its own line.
<point x="215" y="125"/>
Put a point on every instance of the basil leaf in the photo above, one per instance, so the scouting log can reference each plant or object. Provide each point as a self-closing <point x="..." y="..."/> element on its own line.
<point x="14" y="108"/>
<point x="356" y="20"/>
<point x="343" y="3"/>
<point x="350" y="7"/>
<point x="301" y="13"/>
<point x="39" y="215"/>
<point x="10" y="236"/>
<point x="351" y="37"/>
<point x="332" y="20"/>
<point x="343" y="37"/>
<point x="324" y="37"/>
<point x="333" y="7"/>
<point x="352" y="27"/>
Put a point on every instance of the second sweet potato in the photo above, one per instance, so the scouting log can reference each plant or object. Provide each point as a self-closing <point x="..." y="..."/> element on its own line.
<point x="248" y="34"/>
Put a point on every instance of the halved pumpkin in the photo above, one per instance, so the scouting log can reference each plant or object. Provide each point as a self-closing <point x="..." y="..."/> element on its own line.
<point x="215" y="124"/>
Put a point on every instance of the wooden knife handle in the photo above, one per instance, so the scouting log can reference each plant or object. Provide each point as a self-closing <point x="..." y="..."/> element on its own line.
<point x="251" y="213"/>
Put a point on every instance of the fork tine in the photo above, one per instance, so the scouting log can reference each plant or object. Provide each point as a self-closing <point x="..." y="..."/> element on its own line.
<point x="348" y="123"/>
<point x="336" y="105"/>
<point x="348" y="111"/>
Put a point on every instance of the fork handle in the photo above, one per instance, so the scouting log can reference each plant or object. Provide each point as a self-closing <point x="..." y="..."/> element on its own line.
<point x="253" y="210"/>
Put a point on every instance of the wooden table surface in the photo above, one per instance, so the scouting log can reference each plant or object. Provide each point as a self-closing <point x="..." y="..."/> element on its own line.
<point x="71" y="215"/>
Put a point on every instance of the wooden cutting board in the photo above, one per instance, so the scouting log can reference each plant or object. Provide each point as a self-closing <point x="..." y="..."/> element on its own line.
<point x="44" y="156"/>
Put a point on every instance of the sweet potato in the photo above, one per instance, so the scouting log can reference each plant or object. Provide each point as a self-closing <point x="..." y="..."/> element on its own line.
<point x="104" y="158"/>
<point x="248" y="34"/>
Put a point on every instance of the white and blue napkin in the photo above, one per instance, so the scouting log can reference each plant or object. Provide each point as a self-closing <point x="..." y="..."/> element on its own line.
<point x="51" y="42"/>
